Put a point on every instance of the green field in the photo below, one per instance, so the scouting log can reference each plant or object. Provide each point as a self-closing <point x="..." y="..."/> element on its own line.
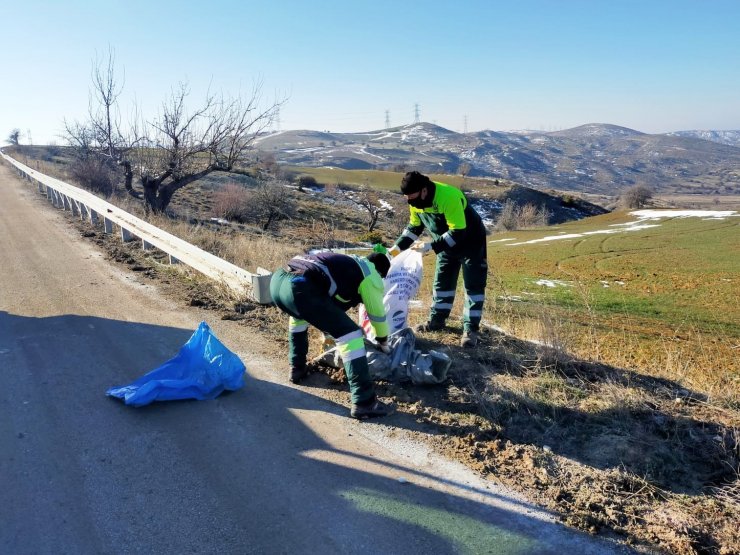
<point x="683" y="268"/>
<point x="375" y="179"/>
<point x="662" y="297"/>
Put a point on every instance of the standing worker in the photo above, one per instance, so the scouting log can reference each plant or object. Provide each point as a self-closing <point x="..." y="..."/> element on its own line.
<point x="458" y="238"/>
<point x="318" y="289"/>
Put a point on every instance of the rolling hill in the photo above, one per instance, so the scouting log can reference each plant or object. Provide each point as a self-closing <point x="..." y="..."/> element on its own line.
<point x="593" y="158"/>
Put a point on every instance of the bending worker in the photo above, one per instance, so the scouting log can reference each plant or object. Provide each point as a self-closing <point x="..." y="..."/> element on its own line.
<point x="318" y="290"/>
<point x="458" y="239"/>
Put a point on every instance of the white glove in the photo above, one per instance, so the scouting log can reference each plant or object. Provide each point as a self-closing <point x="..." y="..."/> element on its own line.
<point x="422" y="247"/>
<point x="384" y="347"/>
<point x="394" y="250"/>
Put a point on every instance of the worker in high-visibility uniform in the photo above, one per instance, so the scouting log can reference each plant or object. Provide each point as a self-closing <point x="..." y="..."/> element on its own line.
<point x="458" y="239"/>
<point x="318" y="289"/>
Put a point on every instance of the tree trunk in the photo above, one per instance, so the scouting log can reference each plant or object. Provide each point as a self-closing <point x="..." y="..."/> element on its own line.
<point x="373" y="220"/>
<point x="157" y="196"/>
<point x="270" y="217"/>
<point x="151" y="194"/>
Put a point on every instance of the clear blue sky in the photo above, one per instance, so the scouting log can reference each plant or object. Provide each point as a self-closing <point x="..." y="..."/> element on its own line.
<point x="655" y="66"/>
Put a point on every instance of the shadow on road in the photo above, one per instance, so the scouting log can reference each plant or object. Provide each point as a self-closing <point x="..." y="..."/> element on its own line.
<point x="243" y="473"/>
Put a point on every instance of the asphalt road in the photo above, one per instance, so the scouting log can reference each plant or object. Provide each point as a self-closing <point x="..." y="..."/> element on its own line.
<point x="267" y="469"/>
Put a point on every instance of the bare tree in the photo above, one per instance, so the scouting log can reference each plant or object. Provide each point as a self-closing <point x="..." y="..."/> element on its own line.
<point x="100" y="141"/>
<point x="14" y="138"/>
<point x="399" y="217"/>
<point x="369" y="201"/>
<point x="180" y="145"/>
<point x="464" y="169"/>
<point x="636" y="196"/>
<point x="272" y="201"/>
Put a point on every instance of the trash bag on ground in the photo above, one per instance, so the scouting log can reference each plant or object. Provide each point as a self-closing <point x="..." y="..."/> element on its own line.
<point x="202" y="369"/>
<point x="404" y="363"/>
<point x="401" y="285"/>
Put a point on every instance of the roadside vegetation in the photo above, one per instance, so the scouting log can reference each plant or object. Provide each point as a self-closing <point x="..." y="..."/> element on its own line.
<point x="607" y="383"/>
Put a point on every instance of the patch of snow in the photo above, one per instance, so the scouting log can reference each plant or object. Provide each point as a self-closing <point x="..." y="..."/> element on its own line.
<point x="552" y="283"/>
<point x="486" y="209"/>
<point x="365" y="152"/>
<point x="642" y="215"/>
<point x="301" y="150"/>
<point x="630" y="226"/>
<point x="548" y="238"/>
<point x="502" y="240"/>
<point x="658" y="214"/>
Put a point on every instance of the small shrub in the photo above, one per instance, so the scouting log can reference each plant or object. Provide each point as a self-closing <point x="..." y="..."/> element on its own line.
<point x="231" y="203"/>
<point x="94" y="174"/>
<point x="568" y="200"/>
<point x="322" y="234"/>
<point x="370" y="237"/>
<point x="306" y="181"/>
<point x="514" y="216"/>
<point x="636" y="196"/>
<point x="270" y="202"/>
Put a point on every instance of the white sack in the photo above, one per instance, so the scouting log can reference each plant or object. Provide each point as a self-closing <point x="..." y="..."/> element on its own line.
<point x="401" y="285"/>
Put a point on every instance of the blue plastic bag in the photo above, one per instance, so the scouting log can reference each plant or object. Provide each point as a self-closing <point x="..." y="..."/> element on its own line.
<point x="202" y="369"/>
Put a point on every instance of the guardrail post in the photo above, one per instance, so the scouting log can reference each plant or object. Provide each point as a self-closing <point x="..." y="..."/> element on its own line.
<point x="66" y="205"/>
<point x="107" y="225"/>
<point x="93" y="217"/>
<point x="146" y="246"/>
<point x="173" y="260"/>
<point x="261" y="286"/>
<point x="126" y="235"/>
<point x="75" y="205"/>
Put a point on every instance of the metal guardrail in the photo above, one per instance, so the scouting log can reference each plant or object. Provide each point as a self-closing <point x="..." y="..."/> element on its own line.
<point x="98" y="211"/>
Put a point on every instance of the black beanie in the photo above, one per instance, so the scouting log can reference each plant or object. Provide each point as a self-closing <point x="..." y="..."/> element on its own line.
<point x="381" y="263"/>
<point x="413" y="182"/>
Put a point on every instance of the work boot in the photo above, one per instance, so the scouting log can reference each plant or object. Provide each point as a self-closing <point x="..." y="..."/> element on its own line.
<point x="469" y="339"/>
<point x="297" y="373"/>
<point x="372" y="409"/>
<point x="430" y="325"/>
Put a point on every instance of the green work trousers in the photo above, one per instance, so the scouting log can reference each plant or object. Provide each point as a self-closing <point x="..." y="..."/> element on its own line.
<point x="475" y="273"/>
<point x="308" y="304"/>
